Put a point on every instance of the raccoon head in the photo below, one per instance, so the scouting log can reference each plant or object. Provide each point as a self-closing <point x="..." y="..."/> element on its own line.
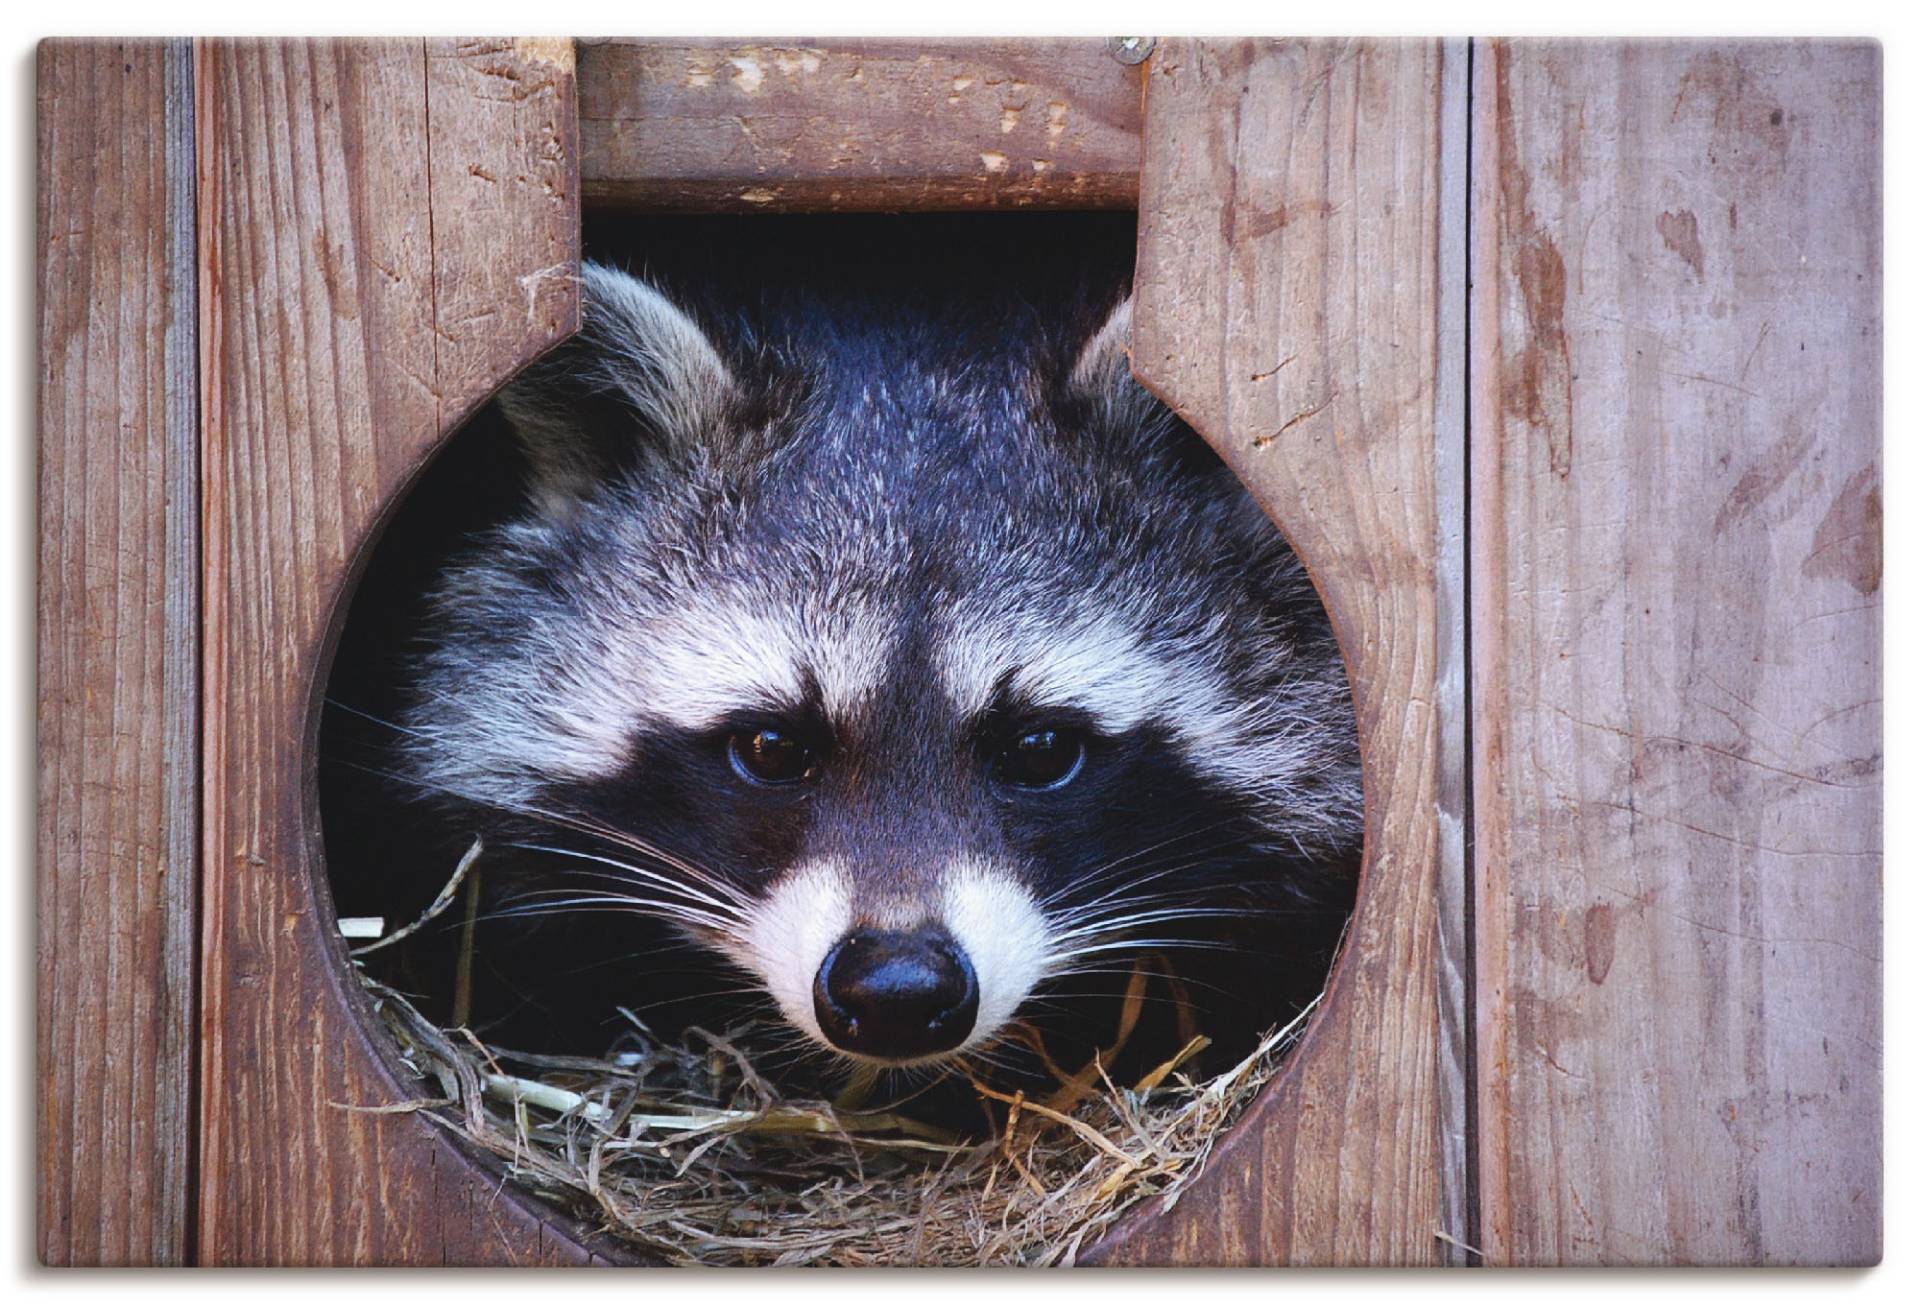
<point x="907" y="662"/>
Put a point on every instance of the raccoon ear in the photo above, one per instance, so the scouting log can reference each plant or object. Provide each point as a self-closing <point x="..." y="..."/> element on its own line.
<point x="1102" y="370"/>
<point x="1104" y="397"/>
<point x="641" y="383"/>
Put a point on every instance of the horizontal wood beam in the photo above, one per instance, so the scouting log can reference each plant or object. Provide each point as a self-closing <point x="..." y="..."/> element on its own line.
<point x="857" y="125"/>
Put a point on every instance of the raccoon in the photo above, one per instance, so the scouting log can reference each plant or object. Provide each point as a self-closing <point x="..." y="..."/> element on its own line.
<point x="901" y="666"/>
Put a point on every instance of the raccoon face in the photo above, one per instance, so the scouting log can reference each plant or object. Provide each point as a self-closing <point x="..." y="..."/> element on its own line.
<point x="906" y="665"/>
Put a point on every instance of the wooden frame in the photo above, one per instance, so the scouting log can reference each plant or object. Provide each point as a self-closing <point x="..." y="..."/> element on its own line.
<point x="325" y="254"/>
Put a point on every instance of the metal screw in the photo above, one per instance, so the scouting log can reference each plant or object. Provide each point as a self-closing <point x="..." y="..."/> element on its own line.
<point x="1130" y="49"/>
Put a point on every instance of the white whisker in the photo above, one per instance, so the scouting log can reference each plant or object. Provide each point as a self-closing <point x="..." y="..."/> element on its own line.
<point x="731" y="905"/>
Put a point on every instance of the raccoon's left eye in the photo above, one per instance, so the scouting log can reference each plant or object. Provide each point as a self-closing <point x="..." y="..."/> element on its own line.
<point x="1041" y="759"/>
<point x="770" y="756"/>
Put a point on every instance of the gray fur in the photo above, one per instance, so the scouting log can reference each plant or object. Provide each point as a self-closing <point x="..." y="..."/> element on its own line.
<point x="903" y="530"/>
<point x="663" y="596"/>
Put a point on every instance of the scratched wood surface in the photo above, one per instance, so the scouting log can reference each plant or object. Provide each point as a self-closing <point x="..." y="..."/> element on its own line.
<point x="117" y="666"/>
<point x="1288" y="305"/>
<point x="387" y="230"/>
<point x="857" y="125"/>
<point x="1676" y="627"/>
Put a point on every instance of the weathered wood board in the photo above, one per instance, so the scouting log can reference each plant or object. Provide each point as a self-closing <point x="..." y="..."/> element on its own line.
<point x="387" y="230"/>
<point x="1676" y="651"/>
<point x="848" y="125"/>
<point x="118" y="653"/>
<point x="1288" y="306"/>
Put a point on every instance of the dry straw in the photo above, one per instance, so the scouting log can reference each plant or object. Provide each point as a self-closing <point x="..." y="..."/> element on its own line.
<point x="690" y="1155"/>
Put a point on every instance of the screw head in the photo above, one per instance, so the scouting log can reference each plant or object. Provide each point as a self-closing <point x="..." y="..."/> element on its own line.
<point x="1130" y="49"/>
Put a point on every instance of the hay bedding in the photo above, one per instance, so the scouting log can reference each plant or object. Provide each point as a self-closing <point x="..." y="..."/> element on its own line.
<point x="684" y="1151"/>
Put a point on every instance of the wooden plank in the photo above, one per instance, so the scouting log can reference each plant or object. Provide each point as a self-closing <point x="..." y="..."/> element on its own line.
<point x="388" y="229"/>
<point x="850" y="125"/>
<point x="117" y="664"/>
<point x="504" y="140"/>
<point x="1676" y="632"/>
<point x="1288" y="306"/>
<point x="1453" y="884"/>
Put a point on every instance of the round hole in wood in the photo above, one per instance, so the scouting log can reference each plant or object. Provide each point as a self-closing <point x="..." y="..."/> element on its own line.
<point x="1153" y="723"/>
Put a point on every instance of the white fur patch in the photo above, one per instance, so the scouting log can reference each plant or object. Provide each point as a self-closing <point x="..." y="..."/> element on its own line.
<point x="789" y="935"/>
<point x="1100" y="669"/>
<point x="570" y="706"/>
<point x="708" y="659"/>
<point x="1005" y="936"/>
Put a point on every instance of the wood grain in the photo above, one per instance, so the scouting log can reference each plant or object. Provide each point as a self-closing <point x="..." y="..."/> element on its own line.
<point x="1288" y="306"/>
<point x="1453" y="871"/>
<point x="388" y="229"/>
<point x="118" y="661"/>
<point x="1676" y="633"/>
<point x="852" y="125"/>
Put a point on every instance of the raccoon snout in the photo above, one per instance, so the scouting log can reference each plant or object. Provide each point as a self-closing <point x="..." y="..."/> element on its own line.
<point x="896" y="996"/>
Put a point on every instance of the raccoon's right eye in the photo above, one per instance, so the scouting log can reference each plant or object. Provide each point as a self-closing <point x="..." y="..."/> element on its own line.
<point x="1042" y="759"/>
<point x="770" y="755"/>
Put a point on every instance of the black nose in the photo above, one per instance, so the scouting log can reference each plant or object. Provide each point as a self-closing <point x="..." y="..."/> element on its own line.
<point x="896" y="995"/>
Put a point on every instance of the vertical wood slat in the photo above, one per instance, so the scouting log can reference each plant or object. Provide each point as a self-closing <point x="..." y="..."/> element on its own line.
<point x="388" y="229"/>
<point x="1676" y="615"/>
<point x="1453" y="882"/>
<point x="117" y="661"/>
<point x="1288" y="305"/>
